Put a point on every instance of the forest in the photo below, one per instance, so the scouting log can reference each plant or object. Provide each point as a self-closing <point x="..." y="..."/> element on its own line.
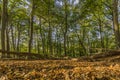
<point x="59" y="27"/>
<point x="59" y="40"/>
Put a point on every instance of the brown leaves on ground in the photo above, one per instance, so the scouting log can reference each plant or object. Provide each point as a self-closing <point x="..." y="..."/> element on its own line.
<point x="58" y="70"/>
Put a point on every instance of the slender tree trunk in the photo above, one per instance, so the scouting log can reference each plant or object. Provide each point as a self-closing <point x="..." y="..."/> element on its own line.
<point x="58" y="42"/>
<point x="101" y="36"/>
<point x="89" y="46"/>
<point x="66" y="27"/>
<point x="13" y="39"/>
<point x="106" y="42"/>
<point x="68" y="45"/>
<point x="115" y="22"/>
<point x="18" y="39"/>
<point x="42" y="38"/>
<point x="60" y="48"/>
<point x="7" y="36"/>
<point x="50" y="32"/>
<point x="36" y="41"/>
<point x="7" y="42"/>
<point x="81" y="43"/>
<point x="43" y="44"/>
<point x="38" y="44"/>
<point x="31" y="28"/>
<point x="65" y="46"/>
<point x="50" y="39"/>
<point x="4" y="25"/>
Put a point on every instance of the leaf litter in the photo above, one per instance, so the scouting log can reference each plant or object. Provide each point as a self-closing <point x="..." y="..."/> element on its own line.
<point x="59" y="70"/>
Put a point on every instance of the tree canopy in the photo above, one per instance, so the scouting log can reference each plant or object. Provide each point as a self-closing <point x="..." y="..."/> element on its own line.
<point x="59" y="27"/>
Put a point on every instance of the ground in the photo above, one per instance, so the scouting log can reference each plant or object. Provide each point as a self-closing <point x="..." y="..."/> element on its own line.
<point x="74" y="69"/>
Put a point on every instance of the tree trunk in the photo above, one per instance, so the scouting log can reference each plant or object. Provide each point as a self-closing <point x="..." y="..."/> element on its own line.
<point x="42" y="38"/>
<point x="115" y="22"/>
<point x="4" y="25"/>
<point x="101" y="36"/>
<point x="38" y="44"/>
<point x="7" y="36"/>
<point x="18" y="39"/>
<point x="7" y="42"/>
<point x="50" y="40"/>
<point x="31" y="28"/>
<point x="81" y="43"/>
<point x="13" y="39"/>
<point x="66" y="27"/>
<point x="50" y="32"/>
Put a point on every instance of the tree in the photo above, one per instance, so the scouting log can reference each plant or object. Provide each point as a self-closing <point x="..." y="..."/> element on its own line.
<point x="66" y="28"/>
<point x="59" y="27"/>
<point x="4" y="25"/>
<point x="115" y="22"/>
<point x="31" y="27"/>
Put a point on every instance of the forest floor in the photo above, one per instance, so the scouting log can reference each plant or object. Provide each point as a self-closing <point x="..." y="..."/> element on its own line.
<point x="97" y="67"/>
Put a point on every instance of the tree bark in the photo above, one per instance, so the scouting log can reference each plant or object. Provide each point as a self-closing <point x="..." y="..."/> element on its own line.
<point x="7" y="34"/>
<point x="101" y="36"/>
<point x="42" y="37"/>
<point x="13" y="39"/>
<point x="66" y="27"/>
<point x="115" y="22"/>
<point x="50" y="32"/>
<point x="31" y="28"/>
<point x="18" y="38"/>
<point x="7" y="41"/>
<point x="4" y="25"/>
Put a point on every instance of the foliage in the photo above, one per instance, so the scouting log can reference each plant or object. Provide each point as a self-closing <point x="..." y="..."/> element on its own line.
<point x="88" y="24"/>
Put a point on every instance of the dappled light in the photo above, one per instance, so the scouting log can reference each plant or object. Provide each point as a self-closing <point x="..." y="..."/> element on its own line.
<point x="59" y="40"/>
